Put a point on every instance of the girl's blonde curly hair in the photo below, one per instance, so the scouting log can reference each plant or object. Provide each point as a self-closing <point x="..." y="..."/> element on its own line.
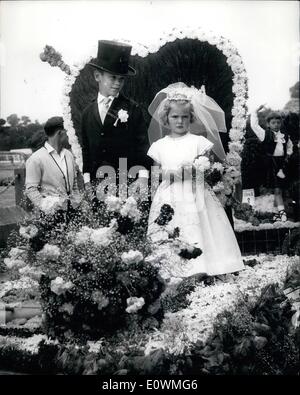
<point x="166" y="107"/>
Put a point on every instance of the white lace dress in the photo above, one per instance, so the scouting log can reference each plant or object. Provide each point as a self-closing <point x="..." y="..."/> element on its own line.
<point x="197" y="211"/>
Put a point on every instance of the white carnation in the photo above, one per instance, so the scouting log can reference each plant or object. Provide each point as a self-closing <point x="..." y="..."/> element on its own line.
<point x="66" y="308"/>
<point x="233" y="159"/>
<point x="59" y="286"/>
<point x="202" y="163"/>
<point x="235" y="146"/>
<point x="218" y="166"/>
<point x="49" y="252"/>
<point x="17" y="253"/>
<point x="101" y="300"/>
<point x="218" y="187"/>
<point x="134" y="304"/>
<point x="83" y="235"/>
<point x="132" y="257"/>
<point x="113" y="203"/>
<point x="235" y="134"/>
<point x="102" y="237"/>
<point x="28" y="232"/>
<point x="239" y="123"/>
<point x="130" y="209"/>
<point x="49" y="204"/>
<point x="11" y="263"/>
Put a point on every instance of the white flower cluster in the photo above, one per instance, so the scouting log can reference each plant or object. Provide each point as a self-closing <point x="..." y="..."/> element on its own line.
<point x="95" y="346"/>
<point x="28" y="232"/>
<point x="59" y="286"/>
<point x="126" y="209"/>
<point x="218" y="166"/>
<point x="113" y="203"/>
<point x="49" y="252"/>
<point x="236" y="135"/>
<point x="134" y="304"/>
<point x="101" y="237"/>
<point x="69" y="126"/>
<point x="49" y="204"/>
<point x="196" y="322"/>
<point x="130" y="209"/>
<point x="101" y="300"/>
<point x="241" y="226"/>
<point x="132" y="257"/>
<point x="83" y="235"/>
<point x="122" y="117"/>
<point x="31" y="344"/>
<point x="219" y="187"/>
<point x="235" y="146"/>
<point x="202" y="163"/>
<point x="66" y="308"/>
<point x="180" y="94"/>
<point x="16" y="258"/>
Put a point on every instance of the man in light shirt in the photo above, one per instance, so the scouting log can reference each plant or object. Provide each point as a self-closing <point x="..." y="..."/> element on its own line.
<point x="51" y="174"/>
<point x="113" y="127"/>
<point x="277" y="147"/>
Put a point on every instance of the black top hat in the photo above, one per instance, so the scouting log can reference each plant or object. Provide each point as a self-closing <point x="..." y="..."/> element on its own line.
<point x="113" y="57"/>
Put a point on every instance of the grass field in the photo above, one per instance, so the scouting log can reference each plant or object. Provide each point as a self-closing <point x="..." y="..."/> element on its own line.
<point x="7" y="198"/>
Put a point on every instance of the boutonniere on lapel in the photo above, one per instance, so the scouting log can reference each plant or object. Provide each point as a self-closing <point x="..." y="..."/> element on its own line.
<point x="122" y="117"/>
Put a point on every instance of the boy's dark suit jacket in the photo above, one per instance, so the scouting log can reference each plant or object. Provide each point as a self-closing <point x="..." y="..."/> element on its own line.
<point x="104" y="144"/>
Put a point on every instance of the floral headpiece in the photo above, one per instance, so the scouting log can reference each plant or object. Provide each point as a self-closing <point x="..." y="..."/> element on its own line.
<point x="179" y="94"/>
<point x="184" y="93"/>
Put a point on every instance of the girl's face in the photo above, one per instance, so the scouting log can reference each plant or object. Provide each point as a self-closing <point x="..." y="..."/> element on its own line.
<point x="179" y="118"/>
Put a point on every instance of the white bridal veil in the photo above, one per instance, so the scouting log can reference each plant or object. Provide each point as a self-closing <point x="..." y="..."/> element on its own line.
<point x="209" y="117"/>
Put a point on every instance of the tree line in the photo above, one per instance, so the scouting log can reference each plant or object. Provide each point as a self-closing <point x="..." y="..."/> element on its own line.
<point x="21" y="132"/>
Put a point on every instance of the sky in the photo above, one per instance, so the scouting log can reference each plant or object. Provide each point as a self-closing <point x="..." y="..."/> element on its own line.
<point x="266" y="34"/>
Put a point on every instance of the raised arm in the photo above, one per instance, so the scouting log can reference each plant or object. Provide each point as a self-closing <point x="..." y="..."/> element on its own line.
<point x="257" y="129"/>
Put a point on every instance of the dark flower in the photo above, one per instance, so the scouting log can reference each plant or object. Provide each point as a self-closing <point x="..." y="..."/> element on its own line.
<point x="190" y="253"/>
<point x="165" y="216"/>
<point x="175" y="233"/>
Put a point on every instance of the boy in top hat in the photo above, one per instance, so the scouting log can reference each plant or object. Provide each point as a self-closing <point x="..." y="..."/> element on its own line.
<point x="51" y="174"/>
<point x="277" y="147"/>
<point x="113" y="126"/>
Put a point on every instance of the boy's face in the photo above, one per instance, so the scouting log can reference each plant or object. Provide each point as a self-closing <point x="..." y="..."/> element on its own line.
<point x="179" y="118"/>
<point x="274" y="124"/>
<point x="109" y="84"/>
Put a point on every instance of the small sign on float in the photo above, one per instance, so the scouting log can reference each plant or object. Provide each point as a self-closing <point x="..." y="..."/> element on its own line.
<point x="249" y="197"/>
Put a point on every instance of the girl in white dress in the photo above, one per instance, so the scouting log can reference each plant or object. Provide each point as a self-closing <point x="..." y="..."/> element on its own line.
<point x="197" y="211"/>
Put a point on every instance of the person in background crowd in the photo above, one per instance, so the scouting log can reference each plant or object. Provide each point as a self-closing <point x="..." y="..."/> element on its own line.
<point x="51" y="179"/>
<point x="277" y="147"/>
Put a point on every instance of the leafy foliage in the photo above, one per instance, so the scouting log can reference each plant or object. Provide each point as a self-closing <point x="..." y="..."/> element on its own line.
<point x="19" y="132"/>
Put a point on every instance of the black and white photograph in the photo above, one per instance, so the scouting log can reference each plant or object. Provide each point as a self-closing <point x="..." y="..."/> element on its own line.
<point x="149" y="190"/>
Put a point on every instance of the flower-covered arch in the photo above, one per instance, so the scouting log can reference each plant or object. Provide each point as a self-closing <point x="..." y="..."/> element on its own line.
<point x="193" y="56"/>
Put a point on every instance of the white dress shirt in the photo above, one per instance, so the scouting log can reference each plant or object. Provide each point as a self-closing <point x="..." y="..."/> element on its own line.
<point x="278" y="137"/>
<point x="103" y="110"/>
<point x="60" y="158"/>
<point x="104" y="103"/>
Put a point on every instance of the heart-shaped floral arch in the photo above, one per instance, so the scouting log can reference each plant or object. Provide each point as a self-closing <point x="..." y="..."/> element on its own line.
<point x="193" y="56"/>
